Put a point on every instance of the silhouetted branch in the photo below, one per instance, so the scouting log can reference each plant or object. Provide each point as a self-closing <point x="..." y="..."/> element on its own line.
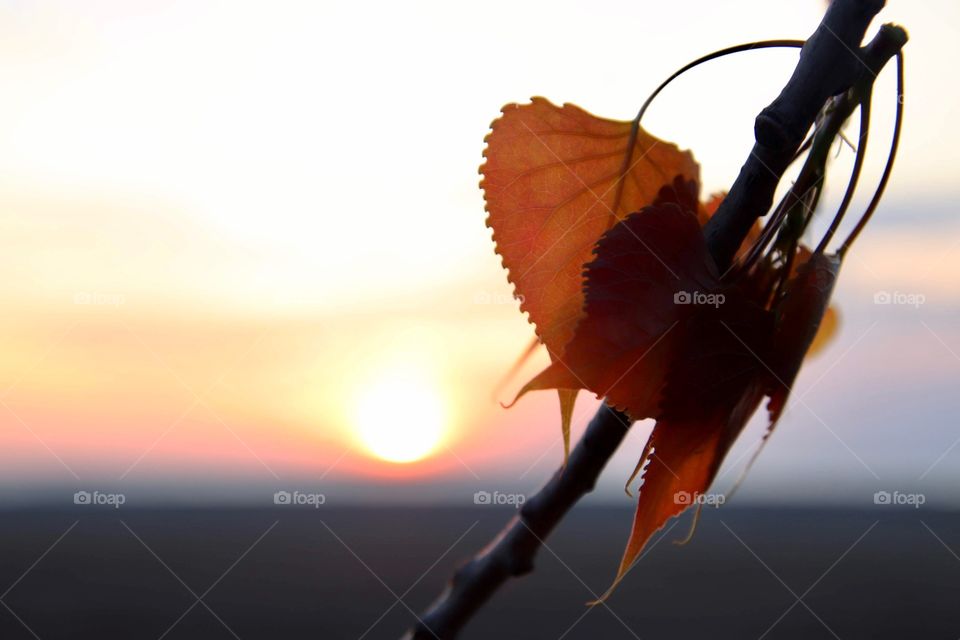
<point x="830" y="63"/>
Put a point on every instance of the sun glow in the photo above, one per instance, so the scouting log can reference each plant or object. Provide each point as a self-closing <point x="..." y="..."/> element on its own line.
<point x="400" y="416"/>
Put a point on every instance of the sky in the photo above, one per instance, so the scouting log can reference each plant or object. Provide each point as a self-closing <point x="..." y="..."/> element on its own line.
<point x="244" y="246"/>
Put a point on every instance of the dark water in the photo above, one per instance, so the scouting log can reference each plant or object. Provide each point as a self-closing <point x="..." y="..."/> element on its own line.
<point x="337" y="573"/>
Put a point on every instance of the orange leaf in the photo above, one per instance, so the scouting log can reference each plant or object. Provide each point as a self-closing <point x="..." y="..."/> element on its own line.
<point x="715" y="382"/>
<point x="804" y="324"/>
<point x="554" y="180"/>
<point x="684" y="457"/>
<point x="651" y="287"/>
<point x="662" y="337"/>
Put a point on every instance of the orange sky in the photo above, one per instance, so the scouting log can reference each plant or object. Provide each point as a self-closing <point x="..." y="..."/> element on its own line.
<point x="224" y="224"/>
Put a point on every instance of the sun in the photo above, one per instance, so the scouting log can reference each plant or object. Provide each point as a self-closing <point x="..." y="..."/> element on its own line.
<point x="399" y="416"/>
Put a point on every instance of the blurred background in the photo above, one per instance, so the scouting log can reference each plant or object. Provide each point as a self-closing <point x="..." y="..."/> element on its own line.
<point x="244" y="253"/>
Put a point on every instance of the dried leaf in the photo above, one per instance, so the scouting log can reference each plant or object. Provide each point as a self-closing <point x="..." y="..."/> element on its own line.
<point x="684" y="459"/>
<point x="715" y="382"/>
<point x="804" y="324"/>
<point x="555" y="179"/>
<point x="651" y="286"/>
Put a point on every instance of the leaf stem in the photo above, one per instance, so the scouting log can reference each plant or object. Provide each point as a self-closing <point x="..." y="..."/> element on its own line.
<point x="749" y="46"/>
<point x="886" y="170"/>
<point x="854" y="174"/>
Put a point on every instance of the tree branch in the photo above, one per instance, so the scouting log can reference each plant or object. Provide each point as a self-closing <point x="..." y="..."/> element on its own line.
<point x="830" y="63"/>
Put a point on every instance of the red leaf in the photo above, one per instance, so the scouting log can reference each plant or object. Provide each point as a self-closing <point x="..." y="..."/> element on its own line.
<point x="684" y="456"/>
<point x="650" y="287"/>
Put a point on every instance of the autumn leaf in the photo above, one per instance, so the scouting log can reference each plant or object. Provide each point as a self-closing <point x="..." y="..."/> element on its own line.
<point x="552" y="185"/>
<point x="663" y="337"/>
<point x="804" y="324"/>
<point x="555" y="179"/>
<point x="648" y="289"/>
<point x="683" y="193"/>
<point x="716" y="382"/>
<point x="683" y="456"/>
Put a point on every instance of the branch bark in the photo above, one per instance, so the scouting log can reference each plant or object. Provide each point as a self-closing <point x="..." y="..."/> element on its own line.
<point x="830" y="63"/>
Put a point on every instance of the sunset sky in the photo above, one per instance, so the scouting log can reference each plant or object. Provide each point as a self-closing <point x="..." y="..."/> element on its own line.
<point x="244" y="250"/>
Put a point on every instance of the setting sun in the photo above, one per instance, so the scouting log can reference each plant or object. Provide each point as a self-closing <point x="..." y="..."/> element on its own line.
<point x="400" y="417"/>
